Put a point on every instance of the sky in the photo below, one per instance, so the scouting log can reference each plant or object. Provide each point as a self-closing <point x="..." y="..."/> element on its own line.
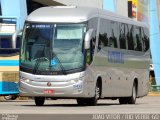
<point x="109" y="5"/>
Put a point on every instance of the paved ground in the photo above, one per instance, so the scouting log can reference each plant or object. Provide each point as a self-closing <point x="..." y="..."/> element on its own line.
<point x="149" y="104"/>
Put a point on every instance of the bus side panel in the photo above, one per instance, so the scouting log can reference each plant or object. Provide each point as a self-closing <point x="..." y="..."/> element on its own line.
<point x="121" y="57"/>
<point x="143" y="84"/>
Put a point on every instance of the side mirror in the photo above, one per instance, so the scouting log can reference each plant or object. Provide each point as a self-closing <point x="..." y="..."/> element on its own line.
<point x="14" y="38"/>
<point x="88" y="38"/>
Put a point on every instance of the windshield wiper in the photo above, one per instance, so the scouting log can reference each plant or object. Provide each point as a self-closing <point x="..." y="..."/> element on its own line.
<point x="60" y="64"/>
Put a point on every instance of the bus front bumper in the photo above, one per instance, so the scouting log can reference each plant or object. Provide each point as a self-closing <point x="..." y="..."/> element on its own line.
<point x="53" y="89"/>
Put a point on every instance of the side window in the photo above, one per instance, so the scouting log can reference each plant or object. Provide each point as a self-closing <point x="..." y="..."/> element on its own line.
<point x="145" y="39"/>
<point x="108" y="34"/>
<point x="104" y="33"/>
<point x="92" y="24"/>
<point x="138" y="40"/>
<point x="127" y="34"/>
<point x="113" y="35"/>
<point x="130" y="37"/>
<point x="122" y="38"/>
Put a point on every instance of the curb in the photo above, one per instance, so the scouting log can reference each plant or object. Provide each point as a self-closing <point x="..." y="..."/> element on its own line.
<point x="154" y="94"/>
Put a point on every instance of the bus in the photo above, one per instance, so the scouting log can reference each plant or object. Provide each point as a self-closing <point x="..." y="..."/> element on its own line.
<point x="83" y="53"/>
<point x="9" y="58"/>
<point x="12" y="19"/>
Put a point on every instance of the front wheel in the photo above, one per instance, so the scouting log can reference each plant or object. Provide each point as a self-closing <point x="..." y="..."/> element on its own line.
<point x="82" y="101"/>
<point x="93" y="101"/>
<point x="39" y="101"/>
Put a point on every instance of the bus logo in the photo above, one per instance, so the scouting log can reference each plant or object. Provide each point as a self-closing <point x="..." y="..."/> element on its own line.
<point x="49" y="84"/>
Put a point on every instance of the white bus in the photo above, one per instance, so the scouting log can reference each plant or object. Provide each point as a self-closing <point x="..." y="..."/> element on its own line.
<point x="84" y="54"/>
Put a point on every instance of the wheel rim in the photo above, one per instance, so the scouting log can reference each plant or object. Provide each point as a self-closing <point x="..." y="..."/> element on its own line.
<point x="9" y="97"/>
<point x="97" y="92"/>
<point x="134" y="92"/>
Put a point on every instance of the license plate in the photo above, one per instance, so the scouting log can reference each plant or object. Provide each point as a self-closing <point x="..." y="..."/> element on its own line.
<point x="48" y="91"/>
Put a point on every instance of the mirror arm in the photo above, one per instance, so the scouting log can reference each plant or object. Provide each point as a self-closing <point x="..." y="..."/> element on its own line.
<point x="88" y="38"/>
<point x="14" y="38"/>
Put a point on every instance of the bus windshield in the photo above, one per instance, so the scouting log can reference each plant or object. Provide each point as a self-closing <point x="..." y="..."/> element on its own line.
<point x="52" y="47"/>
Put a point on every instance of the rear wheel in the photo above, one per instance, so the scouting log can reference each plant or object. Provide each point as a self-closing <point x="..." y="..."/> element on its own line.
<point x="132" y="99"/>
<point x="39" y="101"/>
<point x="123" y="100"/>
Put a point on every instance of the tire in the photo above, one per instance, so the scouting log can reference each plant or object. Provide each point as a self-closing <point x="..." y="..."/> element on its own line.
<point x="39" y="101"/>
<point x="93" y="101"/>
<point x="81" y="101"/>
<point x="132" y="99"/>
<point x="10" y="97"/>
<point x="123" y="100"/>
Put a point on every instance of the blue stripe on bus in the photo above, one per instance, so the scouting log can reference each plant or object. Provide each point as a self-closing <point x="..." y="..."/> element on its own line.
<point x="7" y="88"/>
<point x="8" y="93"/>
<point x="9" y="62"/>
<point x="0" y="87"/>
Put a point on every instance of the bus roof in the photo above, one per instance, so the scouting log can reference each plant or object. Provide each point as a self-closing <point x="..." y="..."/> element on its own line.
<point x="74" y="14"/>
<point x="62" y="14"/>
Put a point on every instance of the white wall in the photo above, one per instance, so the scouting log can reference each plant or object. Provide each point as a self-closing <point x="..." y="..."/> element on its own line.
<point x="122" y="7"/>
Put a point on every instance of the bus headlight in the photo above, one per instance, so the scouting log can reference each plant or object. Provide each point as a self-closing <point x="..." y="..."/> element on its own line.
<point x="77" y="80"/>
<point x="24" y="80"/>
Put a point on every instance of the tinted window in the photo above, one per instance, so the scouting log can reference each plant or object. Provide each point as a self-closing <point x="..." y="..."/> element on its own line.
<point x="145" y="39"/>
<point x="122" y="37"/>
<point x="104" y="33"/>
<point x="130" y="37"/>
<point x="92" y="24"/>
<point x="138" y="39"/>
<point x="108" y="34"/>
<point x="113" y="35"/>
<point x="32" y="5"/>
<point x="6" y="46"/>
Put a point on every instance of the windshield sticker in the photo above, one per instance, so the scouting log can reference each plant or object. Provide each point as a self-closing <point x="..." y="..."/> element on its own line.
<point x="53" y="62"/>
<point x="40" y="26"/>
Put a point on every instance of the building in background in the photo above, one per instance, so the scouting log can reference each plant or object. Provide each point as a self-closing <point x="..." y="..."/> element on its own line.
<point x="139" y="10"/>
<point x="132" y="9"/>
<point x="143" y="11"/>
